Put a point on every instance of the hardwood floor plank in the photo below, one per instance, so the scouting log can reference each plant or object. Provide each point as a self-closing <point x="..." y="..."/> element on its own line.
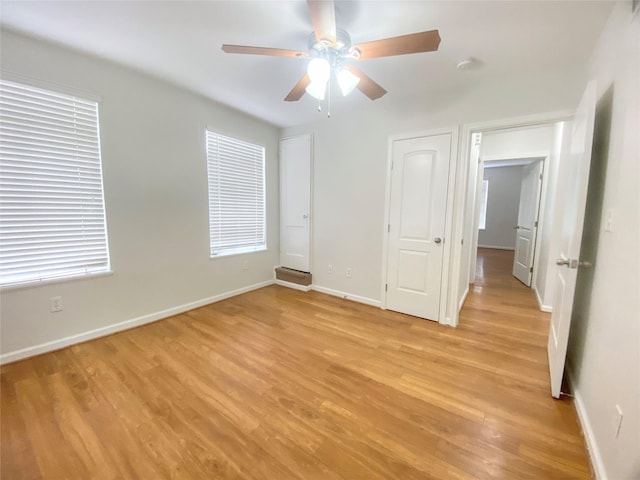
<point x="14" y="432"/>
<point x="39" y="409"/>
<point x="282" y="384"/>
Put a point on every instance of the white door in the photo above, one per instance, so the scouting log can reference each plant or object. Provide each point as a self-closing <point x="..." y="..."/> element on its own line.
<point x="527" y="222"/>
<point x="418" y="203"/>
<point x="295" y="202"/>
<point x="573" y="181"/>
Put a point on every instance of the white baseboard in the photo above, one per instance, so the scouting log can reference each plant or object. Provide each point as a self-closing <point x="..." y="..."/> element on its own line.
<point x="118" y="327"/>
<point x="295" y="286"/>
<point x="542" y="306"/>
<point x="348" y="296"/>
<point x="463" y="298"/>
<point x="496" y="247"/>
<point x="590" y="438"/>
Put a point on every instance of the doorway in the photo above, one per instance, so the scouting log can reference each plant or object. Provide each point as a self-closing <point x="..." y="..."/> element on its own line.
<point x="524" y="138"/>
<point x="509" y="194"/>
<point x="592" y="223"/>
<point x="509" y="210"/>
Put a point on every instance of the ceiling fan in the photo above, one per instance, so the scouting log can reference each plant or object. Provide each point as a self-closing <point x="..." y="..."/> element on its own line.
<point x="331" y="53"/>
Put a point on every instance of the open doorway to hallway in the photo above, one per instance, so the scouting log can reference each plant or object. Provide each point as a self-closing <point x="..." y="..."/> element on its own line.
<point x="530" y="150"/>
<point x="509" y="210"/>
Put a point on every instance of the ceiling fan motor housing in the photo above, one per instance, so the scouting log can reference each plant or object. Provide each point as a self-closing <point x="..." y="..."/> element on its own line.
<point x="334" y="54"/>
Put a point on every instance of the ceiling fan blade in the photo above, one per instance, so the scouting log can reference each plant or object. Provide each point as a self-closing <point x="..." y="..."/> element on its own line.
<point x="323" y="19"/>
<point x="276" y="52"/>
<point x="298" y="91"/>
<point x="367" y="86"/>
<point x="412" y="43"/>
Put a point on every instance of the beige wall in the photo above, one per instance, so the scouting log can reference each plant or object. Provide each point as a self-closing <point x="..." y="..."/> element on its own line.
<point x="155" y="184"/>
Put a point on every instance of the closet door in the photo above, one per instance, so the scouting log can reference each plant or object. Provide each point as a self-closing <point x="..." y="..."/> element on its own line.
<point x="417" y="215"/>
<point x="295" y="202"/>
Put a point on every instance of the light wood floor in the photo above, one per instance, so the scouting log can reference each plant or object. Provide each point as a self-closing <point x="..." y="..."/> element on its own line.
<point x="278" y="384"/>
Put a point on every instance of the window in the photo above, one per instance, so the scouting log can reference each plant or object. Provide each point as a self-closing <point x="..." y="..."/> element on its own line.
<point x="482" y="223"/>
<point x="236" y="195"/>
<point x="52" y="217"/>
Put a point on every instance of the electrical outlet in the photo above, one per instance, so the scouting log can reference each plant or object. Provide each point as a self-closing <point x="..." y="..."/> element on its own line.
<point x="329" y="268"/>
<point x="617" y="421"/>
<point x="349" y="272"/>
<point x="245" y="265"/>
<point x="55" y="304"/>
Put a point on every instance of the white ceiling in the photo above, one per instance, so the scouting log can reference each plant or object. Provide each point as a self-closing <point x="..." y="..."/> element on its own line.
<point x="180" y="41"/>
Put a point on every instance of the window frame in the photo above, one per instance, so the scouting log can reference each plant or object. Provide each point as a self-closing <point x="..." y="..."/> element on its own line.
<point x="67" y="97"/>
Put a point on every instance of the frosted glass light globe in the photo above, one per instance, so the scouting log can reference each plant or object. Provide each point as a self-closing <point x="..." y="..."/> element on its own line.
<point x="319" y="70"/>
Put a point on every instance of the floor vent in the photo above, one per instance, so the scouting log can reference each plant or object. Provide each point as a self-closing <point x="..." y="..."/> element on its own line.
<point x="293" y="276"/>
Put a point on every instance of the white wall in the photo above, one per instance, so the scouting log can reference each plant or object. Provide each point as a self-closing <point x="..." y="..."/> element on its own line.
<point x="604" y="350"/>
<point x="155" y="183"/>
<point x="350" y="158"/>
<point x="503" y="200"/>
<point x="523" y="142"/>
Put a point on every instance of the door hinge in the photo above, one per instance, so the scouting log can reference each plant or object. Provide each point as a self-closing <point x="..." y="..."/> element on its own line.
<point x="531" y="270"/>
<point x="391" y="165"/>
<point x="535" y="224"/>
<point x="540" y="176"/>
<point x="388" y="227"/>
<point x="385" y="287"/>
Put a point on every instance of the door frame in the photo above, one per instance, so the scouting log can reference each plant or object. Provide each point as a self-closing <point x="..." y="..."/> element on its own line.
<point x="466" y="168"/>
<point x="443" y="318"/>
<point x="535" y="155"/>
<point x="543" y="158"/>
<point x="311" y="175"/>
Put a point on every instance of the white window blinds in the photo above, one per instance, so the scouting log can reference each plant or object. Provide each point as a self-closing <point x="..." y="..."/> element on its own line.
<point x="52" y="218"/>
<point x="236" y="195"/>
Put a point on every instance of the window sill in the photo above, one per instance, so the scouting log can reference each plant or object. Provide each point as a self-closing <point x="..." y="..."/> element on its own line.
<point x="52" y="281"/>
<point x="236" y="252"/>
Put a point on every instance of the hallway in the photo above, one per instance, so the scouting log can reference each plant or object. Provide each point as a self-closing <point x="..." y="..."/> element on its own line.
<point x="503" y="326"/>
<point x="504" y="312"/>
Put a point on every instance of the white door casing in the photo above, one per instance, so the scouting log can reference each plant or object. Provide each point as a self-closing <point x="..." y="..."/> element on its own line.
<point x="574" y="177"/>
<point x="416" y="230"/>
<point x="526" y="229"/>
<point x="295" y="202"/>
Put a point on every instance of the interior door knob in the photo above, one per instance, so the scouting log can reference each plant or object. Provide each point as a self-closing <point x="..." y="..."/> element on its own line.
<point x="568" y="262"/>
<point x="305" y="216"/>
<point x="437" y="240"/>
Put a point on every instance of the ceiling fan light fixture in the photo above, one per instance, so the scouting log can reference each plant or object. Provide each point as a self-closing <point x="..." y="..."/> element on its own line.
<point x="317" y="89"/>
<point x="330" y="48"/>
<point x="319" y="70"/>
<point x="347" y="81"/>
